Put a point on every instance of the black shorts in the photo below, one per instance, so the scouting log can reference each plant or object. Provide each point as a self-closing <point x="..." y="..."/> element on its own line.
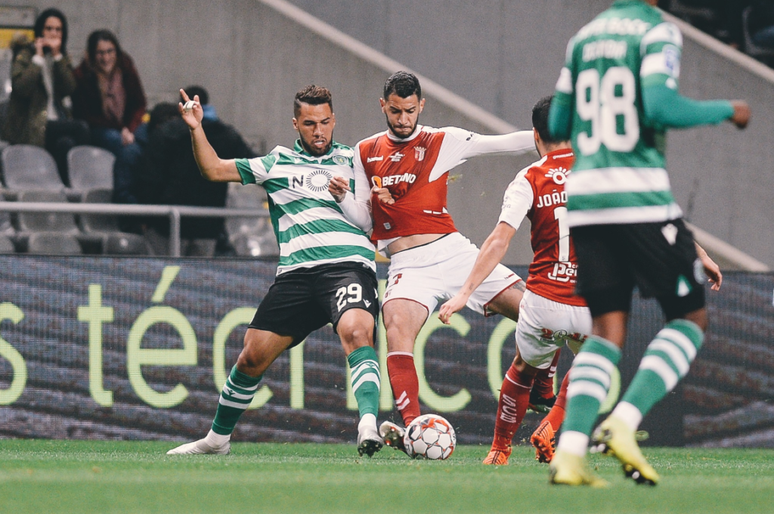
<point x="301" y="301"/>
<point x="659" y="258"/>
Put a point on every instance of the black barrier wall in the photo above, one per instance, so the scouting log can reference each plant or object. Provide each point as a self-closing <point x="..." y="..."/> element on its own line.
<point x="138" y="348"/>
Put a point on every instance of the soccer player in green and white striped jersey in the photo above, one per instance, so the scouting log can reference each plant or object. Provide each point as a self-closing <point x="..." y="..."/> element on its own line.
<point x="615" y="98"/>
<point x="326" y="272"/>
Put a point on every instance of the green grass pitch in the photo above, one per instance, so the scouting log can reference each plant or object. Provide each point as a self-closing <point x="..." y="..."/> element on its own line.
<point x="106" y="477"/>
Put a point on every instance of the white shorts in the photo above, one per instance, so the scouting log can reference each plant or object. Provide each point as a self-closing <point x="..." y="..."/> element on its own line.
<point x="545" y="326"/>
<point x="437" y="271"/>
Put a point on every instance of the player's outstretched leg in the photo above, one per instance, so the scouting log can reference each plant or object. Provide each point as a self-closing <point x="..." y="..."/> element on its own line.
<point x="665" y="362"/>
<point x="511" y="407"/>
<point x="544" y="437"/>
<point x="589" y="383"/>
<point x="234" y="399"/>
<point x="366" y="380"/>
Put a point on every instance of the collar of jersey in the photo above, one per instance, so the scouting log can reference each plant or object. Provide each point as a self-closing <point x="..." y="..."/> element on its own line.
<point x="300" y="150"/>
<point x="404" y="139"/>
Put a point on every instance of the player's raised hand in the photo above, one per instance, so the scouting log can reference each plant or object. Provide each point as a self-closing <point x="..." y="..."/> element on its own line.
<point x="338" y="187"/>
<point x="191" y="111"/>
<point x="741" y="115"/>
<point x="456" y="304"/>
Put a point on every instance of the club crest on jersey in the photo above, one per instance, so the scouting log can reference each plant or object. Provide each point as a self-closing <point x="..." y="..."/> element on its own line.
<point x="396" y="157"/>
<point x="317" y="180"/>
<point x="340" y="160"/>
<point x="558" y="175"/>
<point x="419" y="153"/>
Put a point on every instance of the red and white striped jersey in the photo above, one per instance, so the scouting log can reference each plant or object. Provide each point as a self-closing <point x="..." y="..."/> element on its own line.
<point x="415" y="172"/>
<point x="537" y="192"/>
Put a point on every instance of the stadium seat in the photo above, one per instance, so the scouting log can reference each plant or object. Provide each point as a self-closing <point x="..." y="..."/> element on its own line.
<point x="27" y="167"/>
<point x="53" y="243"/>
<point x="6" y="245"/>
<point x="105" y="227"/>
<point x="61" y="222"/>
<point x="6" y="227"/>
<point x="250" y="236"/>
<point x="90" y="167"/>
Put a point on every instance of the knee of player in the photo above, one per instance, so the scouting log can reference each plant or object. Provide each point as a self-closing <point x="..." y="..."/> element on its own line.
<point x="355" y="335"/>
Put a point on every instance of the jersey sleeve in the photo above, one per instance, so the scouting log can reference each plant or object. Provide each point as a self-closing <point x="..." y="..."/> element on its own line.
<point x="459" y="145"/>
<point x="255" y="170"/>
<point x="357" y="207"/>
<point x="560" y="113"/>
<point x="663" y="106"/>
<point x="517" y="201"/>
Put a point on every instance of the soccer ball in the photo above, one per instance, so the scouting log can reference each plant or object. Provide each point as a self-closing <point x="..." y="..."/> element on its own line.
<point x="430" y="437"/>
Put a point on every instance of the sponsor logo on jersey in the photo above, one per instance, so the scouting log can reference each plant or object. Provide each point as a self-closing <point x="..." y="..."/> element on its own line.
<point x="376" y="181"/>
<point x="564" y="272"/>
<point x="396" y="157"/>
<point x="374" y="159"/>
<point x="318" y="180"/>
<point x="558" y="175"/>
<point x="391" y="180"/>
<point x="419" y="153"/>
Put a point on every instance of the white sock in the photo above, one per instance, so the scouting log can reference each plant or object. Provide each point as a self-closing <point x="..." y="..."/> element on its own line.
<point x="575" y="443"/>
<point x="216" y="440"/>
<point x="629" y="414"/>
<point x="368" y="420"/>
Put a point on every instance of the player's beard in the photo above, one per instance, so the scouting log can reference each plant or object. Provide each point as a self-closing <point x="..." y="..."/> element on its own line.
<point x="401" y="136"/>
<point x="312" y="150"/>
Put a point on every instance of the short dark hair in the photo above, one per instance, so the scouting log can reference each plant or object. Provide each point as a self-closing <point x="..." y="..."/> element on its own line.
<point x="40" y="22"/>
<point x="540" y="119"/>
<point x="192" y="91"/>
<point x="103" y="35"/>
<point x="162" y="112"/>
<point x="312" y="95"/>
<point x="403" y="84"/>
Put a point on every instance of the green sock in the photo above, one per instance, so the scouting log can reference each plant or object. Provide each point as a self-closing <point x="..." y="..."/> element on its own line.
<point x="365" y="379"/>
<point x="589" y="383"/>
<point x="666" y="361"/>
<point x="234" y="400"/>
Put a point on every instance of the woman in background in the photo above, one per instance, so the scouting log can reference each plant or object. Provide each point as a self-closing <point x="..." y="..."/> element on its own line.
<point x="109" y="95"/>
<point x="42" y="81"/>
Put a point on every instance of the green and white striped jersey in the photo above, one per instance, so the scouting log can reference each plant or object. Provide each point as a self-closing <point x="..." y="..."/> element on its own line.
<point x="310" y="227"/>
<point x="619" y="174"/>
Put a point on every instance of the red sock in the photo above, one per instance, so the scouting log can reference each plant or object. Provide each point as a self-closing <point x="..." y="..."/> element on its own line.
<point x="544" y="381"/>
<point x="556" y="415"/>
<point x="514" y="398"/>
<point x="405" y="385"/>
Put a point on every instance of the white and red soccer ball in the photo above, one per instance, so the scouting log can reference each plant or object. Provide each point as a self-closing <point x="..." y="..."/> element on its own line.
<point x="430" y="437"/>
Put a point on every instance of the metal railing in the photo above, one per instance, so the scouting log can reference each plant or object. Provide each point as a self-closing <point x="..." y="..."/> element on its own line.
<point x="174" y="212"/>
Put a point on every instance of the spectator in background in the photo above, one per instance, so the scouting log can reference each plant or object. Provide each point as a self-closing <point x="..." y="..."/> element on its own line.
<point x="109" y="95"/>
<point x="129" y="165"/>
<point x="42" y="81"/>
<point x="169" y="175"/>
<point x="761" y="22"/>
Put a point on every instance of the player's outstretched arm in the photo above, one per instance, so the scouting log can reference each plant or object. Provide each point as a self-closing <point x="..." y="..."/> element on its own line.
<point x="665" y="107"/>
<point x="210" y="165"/>
<point x="710" y="268"/>
<point x="492" y="252"/>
